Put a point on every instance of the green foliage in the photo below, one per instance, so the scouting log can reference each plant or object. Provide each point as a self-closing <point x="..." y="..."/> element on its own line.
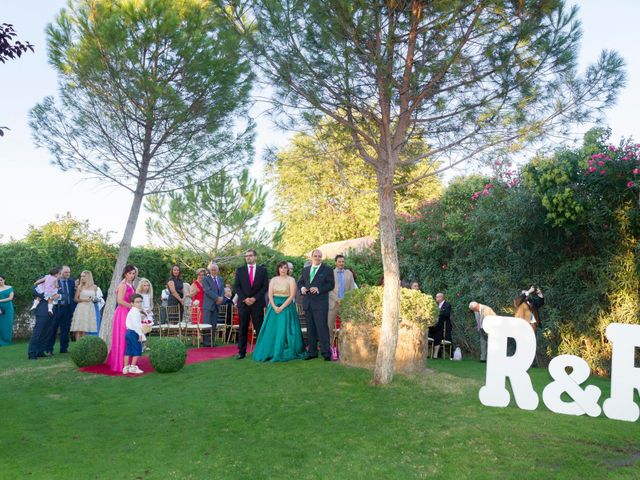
<point x="321" y="179"/>
<point x="168" y="355"/>
<point x="65" y="241"/>
<point x="152" y="93"/>
<point x="364" y="305"/>
<point x="581" y="247"/>
<point x="89" y="350"/>
<point x="208" y="217"/>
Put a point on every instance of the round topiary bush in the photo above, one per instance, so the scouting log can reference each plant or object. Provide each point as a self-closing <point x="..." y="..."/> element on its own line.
<point x="89" y="350"/>
<point x="361" y="315"/>
<point x="168" y="355"/>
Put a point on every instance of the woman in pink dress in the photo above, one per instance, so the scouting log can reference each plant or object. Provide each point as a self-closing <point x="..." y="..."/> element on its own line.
<point x="115" y="360"/>
<point x="197" y="296"/>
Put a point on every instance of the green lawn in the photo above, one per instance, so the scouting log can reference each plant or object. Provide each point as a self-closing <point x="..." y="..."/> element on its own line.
<point x="237" y="419"/>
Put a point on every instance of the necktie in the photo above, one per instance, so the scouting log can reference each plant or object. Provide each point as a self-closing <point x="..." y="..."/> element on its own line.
<point x="314" y="269"/>
<point x="215" y="282"/>
<point x="340" y="284"/>
<point x="65" y="295"/>
<point x="251" y="275"/>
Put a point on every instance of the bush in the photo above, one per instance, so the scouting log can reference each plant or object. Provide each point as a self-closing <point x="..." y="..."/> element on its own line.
<point x="89" y="350"/>
<point x="364" y="305"/>
<point x="168" y="355"/>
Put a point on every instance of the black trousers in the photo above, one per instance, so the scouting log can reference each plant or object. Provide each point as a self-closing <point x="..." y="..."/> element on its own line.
<point x="318" y="329"/>
<point x="41" y="335"/>
<point x="253" y="313"/>
<point x="61" y="320"/>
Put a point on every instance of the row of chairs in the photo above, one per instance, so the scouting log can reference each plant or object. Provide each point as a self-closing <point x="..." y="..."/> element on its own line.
<point x="168" y="322"/>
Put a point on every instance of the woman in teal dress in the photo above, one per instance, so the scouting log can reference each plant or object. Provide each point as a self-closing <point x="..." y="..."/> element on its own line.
<point x="6" y="317"/>
<point x="280" y="338"/>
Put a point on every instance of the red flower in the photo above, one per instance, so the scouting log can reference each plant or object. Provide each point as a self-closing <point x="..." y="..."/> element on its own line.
<point x="603" y="172"/>
<point x="629" y="184"/>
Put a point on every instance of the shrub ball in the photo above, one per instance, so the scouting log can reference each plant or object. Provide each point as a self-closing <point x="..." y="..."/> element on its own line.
<point x="168" y="355"/>
<point x="89" y="350"/>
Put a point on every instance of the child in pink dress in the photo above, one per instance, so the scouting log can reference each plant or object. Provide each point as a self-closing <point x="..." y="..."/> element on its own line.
<point x="48" y="286"/>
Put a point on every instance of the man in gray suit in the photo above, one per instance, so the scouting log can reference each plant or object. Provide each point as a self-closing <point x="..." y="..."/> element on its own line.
<point x="343" y="279"/>
<point x="213" y="287"/>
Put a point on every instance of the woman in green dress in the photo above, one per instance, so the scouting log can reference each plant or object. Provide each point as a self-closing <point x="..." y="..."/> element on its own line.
<point x="6" y="313"/>
<point x="280" y="338"/>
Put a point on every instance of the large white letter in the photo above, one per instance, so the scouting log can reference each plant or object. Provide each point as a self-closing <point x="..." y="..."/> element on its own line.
<point x="584" y="401"/>
<point x="624" y="376"/>
<point x="500" y="366"/>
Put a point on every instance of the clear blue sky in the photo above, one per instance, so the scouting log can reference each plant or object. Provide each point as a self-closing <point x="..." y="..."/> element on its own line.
<point x="34" y="191"/>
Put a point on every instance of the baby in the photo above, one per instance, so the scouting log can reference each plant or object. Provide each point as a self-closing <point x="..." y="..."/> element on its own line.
<point x="48" y="286"/>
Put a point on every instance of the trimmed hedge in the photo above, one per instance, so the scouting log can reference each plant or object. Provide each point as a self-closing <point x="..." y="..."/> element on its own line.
<point x="364" y="305"/>
<point x="168" y="355"/>
<point x="89" y="350"/>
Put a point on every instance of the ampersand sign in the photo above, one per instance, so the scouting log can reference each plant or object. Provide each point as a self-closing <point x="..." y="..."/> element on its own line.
<point x="584" y="401"/>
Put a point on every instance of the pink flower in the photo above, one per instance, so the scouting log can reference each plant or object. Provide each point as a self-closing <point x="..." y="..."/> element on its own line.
<point x="636" y="171"/>
<point x="592" y="169"/>
<point x="629" y="184"/>
<point x="601" y="163"/>
<point x="590" y="162"/>
<point x="612" y="148"/>
<point x="603" y="172"/>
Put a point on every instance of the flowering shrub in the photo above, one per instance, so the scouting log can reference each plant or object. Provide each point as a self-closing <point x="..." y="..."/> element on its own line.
<point x="566" y="227"/>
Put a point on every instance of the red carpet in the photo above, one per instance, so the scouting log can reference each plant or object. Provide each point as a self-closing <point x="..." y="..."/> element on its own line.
<point x="194" y="355"/>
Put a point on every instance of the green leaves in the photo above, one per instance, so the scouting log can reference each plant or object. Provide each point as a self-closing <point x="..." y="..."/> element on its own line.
<point x="151" y="91"/>
<point x="209" y="217"/>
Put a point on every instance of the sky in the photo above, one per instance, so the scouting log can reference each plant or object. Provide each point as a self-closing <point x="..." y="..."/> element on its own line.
<point x="33" y="191"/>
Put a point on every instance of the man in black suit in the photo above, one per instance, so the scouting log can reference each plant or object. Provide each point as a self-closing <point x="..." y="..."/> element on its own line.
<point x="213" y="287"/>
<point x="250" y="285"/>
<point x="315" y="283"/>
<point x="442" y="330"/>
<point x="66" y="307"/>
<point x="41" y="333"/>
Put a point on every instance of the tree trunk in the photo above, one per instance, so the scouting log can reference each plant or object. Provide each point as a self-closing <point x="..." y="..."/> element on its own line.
<point x="383" y="372"/>
<point x="121" y="261"/>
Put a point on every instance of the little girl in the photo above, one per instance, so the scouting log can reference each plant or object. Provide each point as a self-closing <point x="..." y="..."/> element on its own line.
<point x="145" y="289"/>
<point x="134" y="336"/>
<point x="48" y="286"/>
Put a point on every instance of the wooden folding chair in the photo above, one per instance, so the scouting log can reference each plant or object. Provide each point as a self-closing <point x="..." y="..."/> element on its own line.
<point x="175" y="324"/>
<point x="235" y="325"/>
<point x="221" y="324"/>
<point x="197" y="329"/>
<point x="158" y="328"/>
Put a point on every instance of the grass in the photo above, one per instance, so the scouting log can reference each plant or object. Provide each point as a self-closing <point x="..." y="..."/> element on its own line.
<point x="303" y="420"/>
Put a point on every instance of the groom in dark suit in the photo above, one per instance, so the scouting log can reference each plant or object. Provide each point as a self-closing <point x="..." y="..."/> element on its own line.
<point x="213" y="287"/>
<point x="315" y="283"/>
<point x="250" y="285"/>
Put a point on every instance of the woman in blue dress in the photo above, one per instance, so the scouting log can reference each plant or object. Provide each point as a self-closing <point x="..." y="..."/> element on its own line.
<point x="280" y="338"/>
<point x="6" y="315"/>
